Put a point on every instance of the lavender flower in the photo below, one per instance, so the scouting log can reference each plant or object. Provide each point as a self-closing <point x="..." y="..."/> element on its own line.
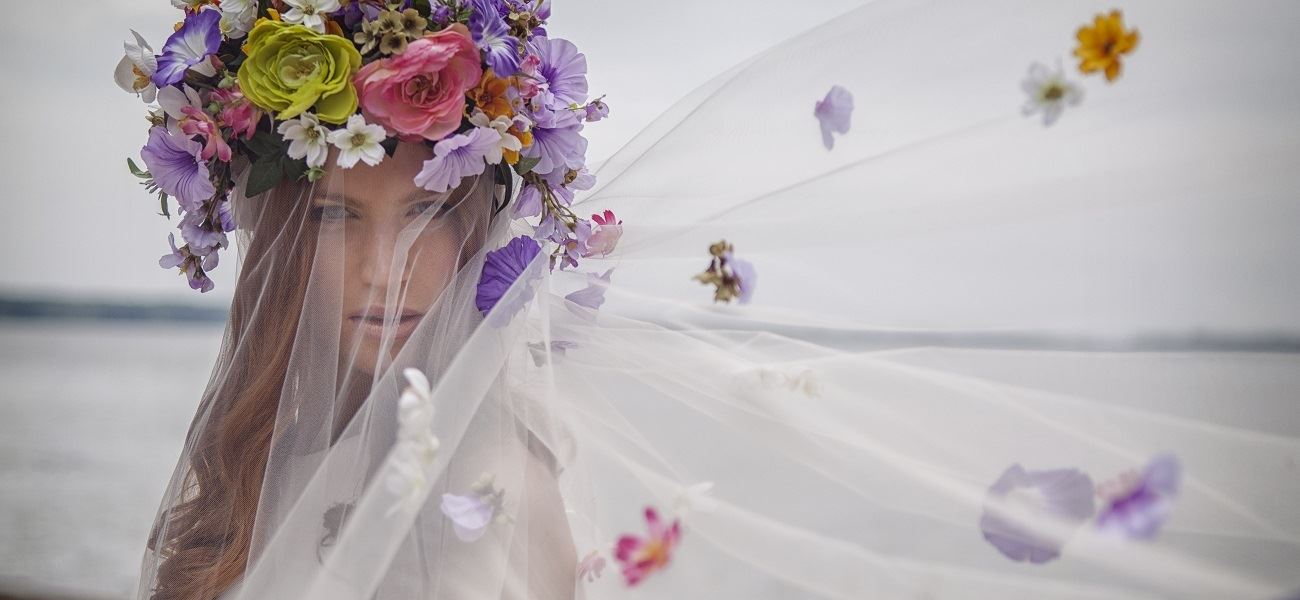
<point x="557" y="148"/>
<point x="457" y="157"/>
<point x="834" y="112"/>
<point x="596" y="110"/>
<point x="592" y="296"/>
<point x="493" y="37"/>
<point x="529" y="203"/>
<point x="471" y="514"/>
<point x="1063" y="494"/>
<point x="563" y="68"/>
<point x="198" y="38"/>
<point x="174" y="163"/>
<point x="501" y="268"/>
<point x="193" y="266"/>
<point x="201" y="233"/>
<point x="1138" y="510"/>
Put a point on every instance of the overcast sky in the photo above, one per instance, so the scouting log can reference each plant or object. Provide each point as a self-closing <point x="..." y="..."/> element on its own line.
<point x="76" y="222"/>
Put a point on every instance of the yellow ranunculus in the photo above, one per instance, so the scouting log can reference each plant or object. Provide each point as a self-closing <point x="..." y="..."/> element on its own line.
<point x="290" y="68"/>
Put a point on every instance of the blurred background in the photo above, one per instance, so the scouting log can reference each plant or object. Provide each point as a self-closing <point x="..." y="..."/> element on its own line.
<point x="103" y="354"/>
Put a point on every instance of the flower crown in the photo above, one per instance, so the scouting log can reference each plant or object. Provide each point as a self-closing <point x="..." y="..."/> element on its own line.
<point x="281" y="81"/>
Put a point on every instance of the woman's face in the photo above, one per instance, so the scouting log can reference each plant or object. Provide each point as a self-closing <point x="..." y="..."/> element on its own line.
<point x="386" y="248"/>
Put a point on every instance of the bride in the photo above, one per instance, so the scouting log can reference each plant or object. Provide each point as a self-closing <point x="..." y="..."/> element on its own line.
<point x="1024" y="326"/>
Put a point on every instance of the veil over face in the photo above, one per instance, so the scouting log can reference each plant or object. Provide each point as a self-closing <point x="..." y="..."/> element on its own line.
<point x="989" y="358"/>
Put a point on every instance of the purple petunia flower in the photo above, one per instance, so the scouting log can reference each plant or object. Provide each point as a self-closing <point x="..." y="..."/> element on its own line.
<point x="558" y="148"/>
<point x="198" y="38"/>
<point x="174" y="163"/>
<point x="563" y="68"/>
<point x="834" y="112"/>
<point x="1138" y="510"/>
<point x="501" y="267"/>
<point x="492" y="36"/>
<point x="1065" y="495"/>
<point x="457" y="157"/>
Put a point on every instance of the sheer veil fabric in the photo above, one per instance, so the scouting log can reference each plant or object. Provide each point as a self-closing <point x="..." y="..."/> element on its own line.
<point x="951" y="291"/>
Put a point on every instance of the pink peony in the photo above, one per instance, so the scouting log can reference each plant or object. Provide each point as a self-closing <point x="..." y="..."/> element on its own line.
<point x="420" y="93"/>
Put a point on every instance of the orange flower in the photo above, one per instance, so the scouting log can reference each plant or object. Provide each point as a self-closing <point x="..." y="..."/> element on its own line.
<point x="1102" y="44"/>
<point x="490" y="96"/>
<point x="525" y="138"/>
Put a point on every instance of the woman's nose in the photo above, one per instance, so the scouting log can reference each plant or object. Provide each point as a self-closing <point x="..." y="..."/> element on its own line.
<point x="381" y="252"/>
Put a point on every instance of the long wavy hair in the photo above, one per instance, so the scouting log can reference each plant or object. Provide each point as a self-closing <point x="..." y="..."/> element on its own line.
<point x="204" y="541"/>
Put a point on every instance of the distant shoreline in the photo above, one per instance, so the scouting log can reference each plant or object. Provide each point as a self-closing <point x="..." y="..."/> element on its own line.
<point x="54" y="309"/>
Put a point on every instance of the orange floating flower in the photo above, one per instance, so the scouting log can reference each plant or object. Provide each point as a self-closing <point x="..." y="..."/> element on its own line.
<point x="1102" y="44"/>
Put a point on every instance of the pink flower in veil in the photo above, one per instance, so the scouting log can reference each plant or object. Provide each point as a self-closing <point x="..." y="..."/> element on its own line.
<point x="643" y="555"/>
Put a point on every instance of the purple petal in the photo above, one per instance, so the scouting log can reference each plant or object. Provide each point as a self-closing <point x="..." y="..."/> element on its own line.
<point x="563" y="68"/>
<point x="834" y="113"/>
<point x="469" y="515"/>
<point x="592" y="296"/>
<point x="1140" y="512"/>
<point x="501" y="267"/>
<point x="493" y="37"/>
<point x="1064" y="494"/>
<point x="174" y="163"/>
<point x="198" y="37"/>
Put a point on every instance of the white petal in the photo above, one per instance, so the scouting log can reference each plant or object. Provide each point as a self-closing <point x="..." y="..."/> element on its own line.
<point x="172" y="100"/>
<point x="124" y="74"/>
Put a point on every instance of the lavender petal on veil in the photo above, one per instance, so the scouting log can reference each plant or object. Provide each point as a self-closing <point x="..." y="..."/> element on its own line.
<point x="501" y="267"/>
<point x="1063" y="494"/>
<point x="834" y="112"/>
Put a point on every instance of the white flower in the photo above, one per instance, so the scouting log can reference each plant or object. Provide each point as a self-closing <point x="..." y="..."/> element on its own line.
<point x="237" y="17"/>
<point x="795" y="378"/>
<point x="416" y="446"/>
<point x="694" y="498"/>
<point x="310" y="13"/>
<point x="135" y="71"/>
<point x="358" y="141"/>
<point x="307" y="139"/>
<point x="1049" y="92"/>
<point x="501" y="124"/>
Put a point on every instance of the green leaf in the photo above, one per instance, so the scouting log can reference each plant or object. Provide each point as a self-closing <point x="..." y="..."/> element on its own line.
<point x="526" y="164"/>
<point x="423" y="7"/>
<point x="262" y="176"/>
<point x="292" y="168"/>
<point x="137" y="171"/>
<point x="162" y="200"/>
<point x="265" y="143"/>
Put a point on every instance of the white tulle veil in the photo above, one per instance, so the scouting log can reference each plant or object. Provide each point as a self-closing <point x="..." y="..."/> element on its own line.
<point x="952" y="291"/>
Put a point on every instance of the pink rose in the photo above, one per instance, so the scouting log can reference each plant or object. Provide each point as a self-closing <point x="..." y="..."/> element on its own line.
<point x="420" y="93"/>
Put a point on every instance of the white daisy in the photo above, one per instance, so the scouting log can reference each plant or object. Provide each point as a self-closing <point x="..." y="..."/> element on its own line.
<point x="1049" y="92"/>
<point x="307" y="139"/>
<point x="358" y="141"/>
<point x="310" y="13"/>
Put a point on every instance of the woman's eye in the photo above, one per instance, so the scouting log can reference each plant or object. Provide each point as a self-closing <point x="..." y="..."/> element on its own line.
<point x="420" y="208"/>
<point x="330" y="213"/>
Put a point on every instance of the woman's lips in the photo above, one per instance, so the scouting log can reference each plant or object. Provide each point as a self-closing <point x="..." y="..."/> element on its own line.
<point x="371" y="324"/>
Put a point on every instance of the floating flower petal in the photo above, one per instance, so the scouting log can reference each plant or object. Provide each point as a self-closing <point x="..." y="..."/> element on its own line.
<point x="1065" y="495"/>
